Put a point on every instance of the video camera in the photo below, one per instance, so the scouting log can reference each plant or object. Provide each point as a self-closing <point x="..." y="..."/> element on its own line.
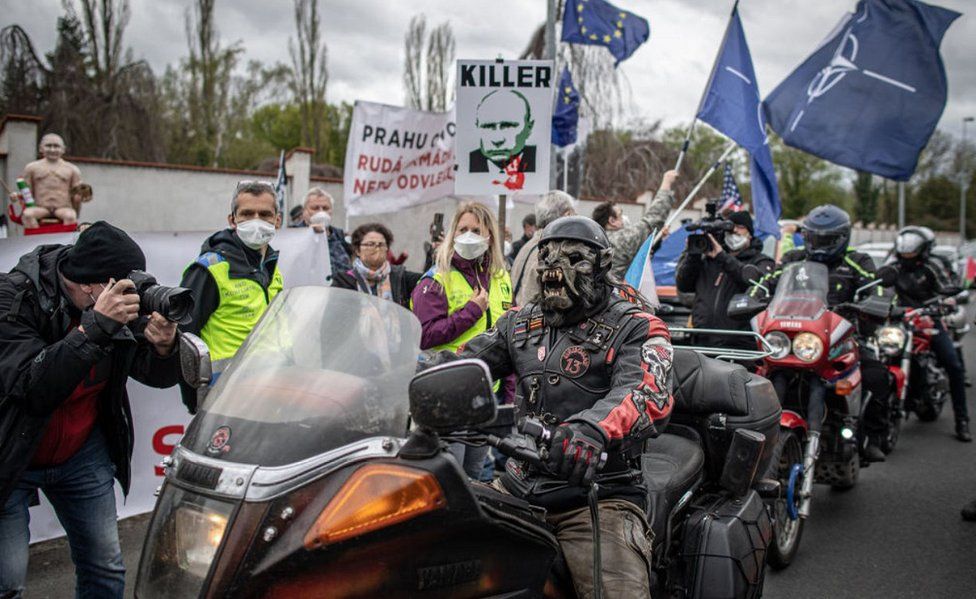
<point x="174" y="303"/>
<point x="698" y="243"/>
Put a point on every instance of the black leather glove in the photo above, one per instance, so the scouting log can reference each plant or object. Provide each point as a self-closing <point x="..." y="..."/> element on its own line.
<point x="574" y="452"/>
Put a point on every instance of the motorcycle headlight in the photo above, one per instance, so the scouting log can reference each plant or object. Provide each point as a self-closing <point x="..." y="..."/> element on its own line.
<point x="779" y="343"/>
<point x="891" y="340"/>
<point x="182" y="543"/>
<point x="807" y="347"/>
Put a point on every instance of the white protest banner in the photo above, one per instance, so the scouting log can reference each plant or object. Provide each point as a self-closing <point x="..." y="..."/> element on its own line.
<point x="159" y="417"/>
<point x="397" y="158"/>
<point x="504" y="121"/>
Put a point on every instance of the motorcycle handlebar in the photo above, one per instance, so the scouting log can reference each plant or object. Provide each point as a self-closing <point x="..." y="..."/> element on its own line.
<point x="535" y="453"/>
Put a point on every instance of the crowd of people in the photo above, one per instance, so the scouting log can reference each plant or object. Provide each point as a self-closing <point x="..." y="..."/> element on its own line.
<point x="72" y="334"/>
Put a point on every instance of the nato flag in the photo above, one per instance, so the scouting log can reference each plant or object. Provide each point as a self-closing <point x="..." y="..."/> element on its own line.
<point x="731" y="104"/>
<point x="871" y="95"/>
<point x="566" y="115"/>
<point x="600" y="23"/>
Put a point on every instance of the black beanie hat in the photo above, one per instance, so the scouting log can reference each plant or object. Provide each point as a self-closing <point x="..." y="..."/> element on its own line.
<point x="102" y="252"/>
<point x="742" y="218"/>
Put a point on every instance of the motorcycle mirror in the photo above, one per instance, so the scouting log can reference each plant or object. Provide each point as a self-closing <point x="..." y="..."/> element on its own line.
<point x="888" y="275"/>
<point x="963" y="298"/>
<point x="743" y="305"/>
<point x="452" y="396"/>
<point x="195" y="366"/>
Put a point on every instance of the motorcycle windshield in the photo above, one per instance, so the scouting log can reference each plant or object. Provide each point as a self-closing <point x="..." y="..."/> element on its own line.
<point x="323" y="368"/>
<point x="801" y="293"/>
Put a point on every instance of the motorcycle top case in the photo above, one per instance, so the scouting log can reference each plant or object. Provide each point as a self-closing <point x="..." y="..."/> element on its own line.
<point x="717" y="398"/>
<point x="723" y="550"/>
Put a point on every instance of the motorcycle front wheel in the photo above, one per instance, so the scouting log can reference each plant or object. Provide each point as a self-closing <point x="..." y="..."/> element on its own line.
<point x="890" y="439"/>
<point x="788" y="528"/>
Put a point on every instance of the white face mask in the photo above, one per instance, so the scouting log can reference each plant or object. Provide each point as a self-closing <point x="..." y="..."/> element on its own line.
<point x="507" y="248"/>
<point x="625" y="221"/>
<point x="736" y="242"/>
<point x="470" y="245"/>
<point x="320" y="218"/>
<point x="255" y="233"/>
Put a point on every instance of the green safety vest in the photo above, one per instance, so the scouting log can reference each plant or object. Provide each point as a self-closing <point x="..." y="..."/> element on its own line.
<point x="459" y="292"/>
<point x="242" y="302"/>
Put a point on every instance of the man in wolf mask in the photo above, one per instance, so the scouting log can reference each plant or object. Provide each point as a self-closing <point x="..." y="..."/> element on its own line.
<point x="596" y="368"/>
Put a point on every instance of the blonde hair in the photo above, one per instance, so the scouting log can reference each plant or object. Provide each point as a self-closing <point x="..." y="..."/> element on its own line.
<point x="487" y="221"/>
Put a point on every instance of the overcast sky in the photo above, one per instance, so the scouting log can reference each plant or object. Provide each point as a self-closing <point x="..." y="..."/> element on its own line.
<point x="365" y="39"/>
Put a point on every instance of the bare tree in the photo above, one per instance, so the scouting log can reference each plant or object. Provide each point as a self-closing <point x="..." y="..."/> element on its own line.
<point x="413" y="74"/>
<point x="309" y="71"/>
<point x="428" y="64"/>
<point x="210" y="66"/>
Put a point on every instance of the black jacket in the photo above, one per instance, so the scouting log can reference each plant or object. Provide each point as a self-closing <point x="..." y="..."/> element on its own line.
<point x="402" y="282"/>
<point x="920" y="281"/>
<point x="43" y="358"/>
<point x="847" y="274"/>
<point x="714" y="281"/>
<point x="244" y="262"/>
<point x="611" y="372"/>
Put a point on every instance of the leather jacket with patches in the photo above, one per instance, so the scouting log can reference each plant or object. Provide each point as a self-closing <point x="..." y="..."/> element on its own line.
<point x="611" y="371"/>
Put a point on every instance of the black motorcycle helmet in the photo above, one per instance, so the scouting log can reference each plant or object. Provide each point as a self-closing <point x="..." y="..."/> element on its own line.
<point x="826" y="233"/>
<point x="914" y="243"/>
<point x="581" y="228"/>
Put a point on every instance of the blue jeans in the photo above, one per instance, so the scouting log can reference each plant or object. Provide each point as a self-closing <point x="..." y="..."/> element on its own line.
<point x="82" y="493"/>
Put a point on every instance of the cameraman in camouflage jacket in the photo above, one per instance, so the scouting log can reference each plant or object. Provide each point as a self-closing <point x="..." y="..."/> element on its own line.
<point x="626" y="239"/>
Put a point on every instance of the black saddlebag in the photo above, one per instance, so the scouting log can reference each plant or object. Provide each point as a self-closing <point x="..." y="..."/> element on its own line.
<point x="716" y="398"/>
<point x="723" y="551"/>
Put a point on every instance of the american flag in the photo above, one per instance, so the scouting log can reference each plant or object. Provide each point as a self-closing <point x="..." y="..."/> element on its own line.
<point x="731" y="198"/>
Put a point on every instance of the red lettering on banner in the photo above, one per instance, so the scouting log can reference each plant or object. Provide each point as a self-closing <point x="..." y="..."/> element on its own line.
<point x="363" y="160"/>
<point x="160" y="445"/>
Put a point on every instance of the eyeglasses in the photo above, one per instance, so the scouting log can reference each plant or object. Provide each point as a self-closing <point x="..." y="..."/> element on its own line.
<point x="373" y="245"/>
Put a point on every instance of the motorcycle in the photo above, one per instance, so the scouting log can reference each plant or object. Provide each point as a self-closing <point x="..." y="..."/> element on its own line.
<point x="815" y="365"/>
<point x="301" y="476"/>
<point x="927" y="384"/>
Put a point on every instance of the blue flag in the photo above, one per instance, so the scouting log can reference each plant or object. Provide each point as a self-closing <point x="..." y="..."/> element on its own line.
<point x="871" y="95"/>
<point x="600" y="23"/>
<point x="664" y="262"/>
<point x="566" y="115"/>
<point x="732" y="105"/>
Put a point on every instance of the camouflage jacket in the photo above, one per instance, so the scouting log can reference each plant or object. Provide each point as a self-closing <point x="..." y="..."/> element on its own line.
<point x="627" y="241"/>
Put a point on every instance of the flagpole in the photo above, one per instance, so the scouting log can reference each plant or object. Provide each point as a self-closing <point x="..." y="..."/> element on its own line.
<point x="694" y="120"/>
<point x="701" y="183"/>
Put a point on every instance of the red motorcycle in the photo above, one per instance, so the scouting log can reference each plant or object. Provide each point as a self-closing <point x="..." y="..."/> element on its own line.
<point x="815" y="367"/>
<point x="906" y="345"/>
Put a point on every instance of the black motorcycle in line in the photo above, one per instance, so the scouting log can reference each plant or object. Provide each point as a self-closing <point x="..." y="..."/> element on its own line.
<point x="295" y="478"/>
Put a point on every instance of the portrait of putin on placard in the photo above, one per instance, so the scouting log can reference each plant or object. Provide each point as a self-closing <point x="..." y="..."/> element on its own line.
<point x="504" y="123"/>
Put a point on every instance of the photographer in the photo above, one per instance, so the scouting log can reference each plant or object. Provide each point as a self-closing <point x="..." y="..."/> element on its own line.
<point x="70" y="336"/>
<point x="713" y="272"/>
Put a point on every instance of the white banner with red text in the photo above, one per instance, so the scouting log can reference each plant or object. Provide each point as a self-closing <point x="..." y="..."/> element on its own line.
<point x="397" y="158"/>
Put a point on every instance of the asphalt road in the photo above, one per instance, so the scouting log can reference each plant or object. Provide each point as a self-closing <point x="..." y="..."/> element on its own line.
<point x="897" y="534"/>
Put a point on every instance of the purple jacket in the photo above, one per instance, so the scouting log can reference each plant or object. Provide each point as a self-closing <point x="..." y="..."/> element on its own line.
<point x="430" y="303"/>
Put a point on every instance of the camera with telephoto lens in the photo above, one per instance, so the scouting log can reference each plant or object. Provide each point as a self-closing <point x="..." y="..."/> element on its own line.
<point x="698" y="243"/>
<point x="174" y="303"/>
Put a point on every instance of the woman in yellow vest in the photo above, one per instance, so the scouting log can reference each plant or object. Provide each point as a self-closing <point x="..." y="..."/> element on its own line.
<point x="463" y="295"/>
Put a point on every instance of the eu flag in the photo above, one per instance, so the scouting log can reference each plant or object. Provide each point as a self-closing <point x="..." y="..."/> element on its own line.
<point x="600" y="23"/>
<point x="731" y="104"/>
<point x="566" y="115"/>
<point x="871" y="95"/>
